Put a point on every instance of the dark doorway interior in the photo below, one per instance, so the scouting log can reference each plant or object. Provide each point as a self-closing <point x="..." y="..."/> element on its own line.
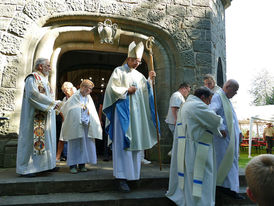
<point x="97" y="66"/>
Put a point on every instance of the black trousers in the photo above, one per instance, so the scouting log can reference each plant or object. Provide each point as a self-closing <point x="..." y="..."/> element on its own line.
<point x="269" y="142"/>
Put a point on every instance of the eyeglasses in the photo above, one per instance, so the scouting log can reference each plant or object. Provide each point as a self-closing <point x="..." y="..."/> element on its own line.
<point x="136" y="61"/>
<point x="46" y="65"/>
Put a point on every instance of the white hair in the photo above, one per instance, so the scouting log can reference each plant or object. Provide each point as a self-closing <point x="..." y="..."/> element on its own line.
<point x="67" y="85"/>
<point x="39" y="61"/>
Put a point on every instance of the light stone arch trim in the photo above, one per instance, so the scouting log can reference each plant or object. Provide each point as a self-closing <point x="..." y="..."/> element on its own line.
<point x="52" y="41"/>
<point x="29" y="25"/>
<point x="60" y="40"/>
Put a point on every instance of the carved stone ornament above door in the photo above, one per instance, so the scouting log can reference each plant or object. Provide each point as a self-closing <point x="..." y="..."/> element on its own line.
<point x="107" y="31"/>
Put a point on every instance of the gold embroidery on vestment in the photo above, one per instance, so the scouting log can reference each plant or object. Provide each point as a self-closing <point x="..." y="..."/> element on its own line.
<point x="39" y="132"/>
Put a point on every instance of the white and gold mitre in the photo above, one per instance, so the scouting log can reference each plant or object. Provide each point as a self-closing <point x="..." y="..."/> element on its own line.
<point x="135" y="51"/>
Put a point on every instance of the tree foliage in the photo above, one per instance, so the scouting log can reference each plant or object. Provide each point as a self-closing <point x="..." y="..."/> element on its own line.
<point x="270" y="99"/>
<point x="262" y="89"/>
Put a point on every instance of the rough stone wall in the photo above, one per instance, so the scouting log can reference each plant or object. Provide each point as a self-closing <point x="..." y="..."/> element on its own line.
<point x="218" y="37"/>
<point x="197" y="28"/>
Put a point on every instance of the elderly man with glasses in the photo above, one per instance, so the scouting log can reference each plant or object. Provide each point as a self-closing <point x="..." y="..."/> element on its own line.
<point x="36" y="149"/>
<point x="129" y="110"/>
<point x="227" y="149"/>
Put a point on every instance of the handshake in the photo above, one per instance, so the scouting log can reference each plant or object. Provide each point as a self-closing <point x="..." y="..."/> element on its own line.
<point x="58" y="105"/>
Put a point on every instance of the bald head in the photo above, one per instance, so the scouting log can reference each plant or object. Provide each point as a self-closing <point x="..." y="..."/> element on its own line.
<point x="231" y="82"/>
<point x="230" y="88"/>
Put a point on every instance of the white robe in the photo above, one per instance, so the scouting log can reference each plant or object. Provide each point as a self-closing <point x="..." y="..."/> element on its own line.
<point x="126" y="164"/>
<point x="197" y="118"/>
<point x="80" y="128"/>
<point x="72" y="127"/>
<point x="136" y="111"/>
<point x="81" y="150"/>
<point x="61" y="138"/>
<point x="215" y="88"/>
<point x="232" y="179"/>
<point x="129" y="121"/>
<point x="33" y="100"/>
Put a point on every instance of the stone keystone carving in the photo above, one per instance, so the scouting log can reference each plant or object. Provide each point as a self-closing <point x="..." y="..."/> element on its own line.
<point x="107" y="31"/>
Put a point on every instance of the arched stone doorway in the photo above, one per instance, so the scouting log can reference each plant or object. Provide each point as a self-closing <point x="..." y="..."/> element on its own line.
<point x="57" y="39"/>
<point x="182" y="50"/>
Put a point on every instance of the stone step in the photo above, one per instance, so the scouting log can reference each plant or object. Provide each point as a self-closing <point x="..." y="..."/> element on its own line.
<point x="106" y="198"/>
<point x="140" y="197"/>
<point x="97" y="186"/>
<point x="69" y="186"/>
<point x="48" y="185"/>
<point x="91" y="181"/>
<point x="98" y="178"/>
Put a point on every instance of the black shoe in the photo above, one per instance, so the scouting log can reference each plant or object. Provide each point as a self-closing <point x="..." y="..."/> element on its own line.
<point x="230" y="193"/>
<point x="55" y="169"/>
<point x="63" y="159"/>
<point x="123" y="186"/>
<point x="29" y="175"/>
<point x="237" y="196"/>
<point x="106" y="159"/>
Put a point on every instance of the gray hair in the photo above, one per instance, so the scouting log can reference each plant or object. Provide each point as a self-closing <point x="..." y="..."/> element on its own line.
<point x="209" y="76"/>
<point x="39" y="61"/>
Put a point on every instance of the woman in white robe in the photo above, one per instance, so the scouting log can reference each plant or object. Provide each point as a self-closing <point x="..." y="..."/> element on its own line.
<point x="80" y="127"/>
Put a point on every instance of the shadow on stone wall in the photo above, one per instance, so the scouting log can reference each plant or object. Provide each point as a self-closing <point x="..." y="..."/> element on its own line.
<point x="8" y="149"/>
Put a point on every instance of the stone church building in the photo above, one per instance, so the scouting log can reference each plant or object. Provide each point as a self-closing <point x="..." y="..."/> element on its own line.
<point x="89" y="38"/>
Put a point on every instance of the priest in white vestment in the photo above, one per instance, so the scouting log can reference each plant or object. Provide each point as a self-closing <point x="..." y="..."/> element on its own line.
<point x="130" y="116"/>
<point x="192" y="177"/>
<point x="80" y="128"/>
<point x="227" y="149"/>
<point x="36" y="149"/>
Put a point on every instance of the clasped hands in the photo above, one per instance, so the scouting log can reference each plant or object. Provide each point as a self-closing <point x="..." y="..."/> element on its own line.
<point x="132" y="89"/>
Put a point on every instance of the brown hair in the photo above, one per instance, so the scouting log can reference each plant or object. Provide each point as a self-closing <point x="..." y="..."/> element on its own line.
<point x="86" y="83"/>
<point x="259" y="175"/>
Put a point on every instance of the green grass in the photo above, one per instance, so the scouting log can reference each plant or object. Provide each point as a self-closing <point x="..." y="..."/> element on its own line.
<point x="243" y="159"/>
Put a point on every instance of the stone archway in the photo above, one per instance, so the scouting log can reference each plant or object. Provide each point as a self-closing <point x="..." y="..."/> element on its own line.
<point x="187" y="34"/>
<point x="34" y="26"/>
<point x="60" y="40"/>
<point x="56" y="40"/>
